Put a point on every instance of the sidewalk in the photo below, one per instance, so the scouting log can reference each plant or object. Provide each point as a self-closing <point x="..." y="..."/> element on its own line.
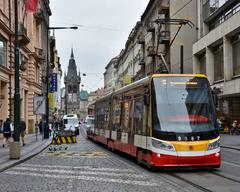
<point x="230" y="141"/>
<point x="31" y="148"/>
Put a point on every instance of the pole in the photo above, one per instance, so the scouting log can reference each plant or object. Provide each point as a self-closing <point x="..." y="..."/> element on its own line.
<point x="17" y="91"/>
<point x="181" y="58"/>
<point x="46" y="127"/>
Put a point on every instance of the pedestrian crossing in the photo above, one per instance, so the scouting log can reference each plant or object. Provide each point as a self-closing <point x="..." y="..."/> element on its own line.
<point x="84" y="173"/>
<point x="74" y="154"/>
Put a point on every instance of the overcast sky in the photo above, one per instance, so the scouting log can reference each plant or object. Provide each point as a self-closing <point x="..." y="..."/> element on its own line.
<point x="106" y="25"/>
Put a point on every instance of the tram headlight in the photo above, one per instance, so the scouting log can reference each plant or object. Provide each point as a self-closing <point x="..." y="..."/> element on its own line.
<point x="214" y="145"/>
<point x="162" y="145"/>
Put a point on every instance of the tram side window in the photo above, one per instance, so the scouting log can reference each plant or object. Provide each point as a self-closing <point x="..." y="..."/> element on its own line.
<point x="100" y="117"/>
<point x="138" y="117"/>
<point x="126" y="112"/>
<point x="116" y="113"/>
<point x="106" y="116"/>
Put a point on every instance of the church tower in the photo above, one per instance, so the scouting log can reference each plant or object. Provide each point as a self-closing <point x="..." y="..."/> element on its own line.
<point x="72" y="84"/>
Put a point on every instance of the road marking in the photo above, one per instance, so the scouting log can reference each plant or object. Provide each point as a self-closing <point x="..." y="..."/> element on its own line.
<point x="79" y="167"/>
<point x="107" y="180"/>
<point x="78" y="172"/>
<point x="229" y="163"/>
<point x="75" y="154"/>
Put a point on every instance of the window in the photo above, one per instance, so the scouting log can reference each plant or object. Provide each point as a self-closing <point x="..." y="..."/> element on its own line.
<point x="202" y="61"/>
<point x="37" y="73"/>
<point x="236" y="57"/>
<point x="218" y="63"/>
<point x="116" y="113"/>
<point x="2" y="52"/>
<point x="138" y="116"/>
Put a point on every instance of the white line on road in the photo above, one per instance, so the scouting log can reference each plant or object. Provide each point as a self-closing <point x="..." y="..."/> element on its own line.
<point x="80" y="167"/>
<point x="107" y="180"/>
<point x="229" y="163"/>
<point x="78" y="172"/>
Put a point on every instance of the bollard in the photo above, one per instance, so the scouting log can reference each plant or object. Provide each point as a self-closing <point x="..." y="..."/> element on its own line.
<point x="14" y="150"/>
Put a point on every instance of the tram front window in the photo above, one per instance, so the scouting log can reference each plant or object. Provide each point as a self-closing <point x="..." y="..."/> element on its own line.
<point x="182" y="105"/>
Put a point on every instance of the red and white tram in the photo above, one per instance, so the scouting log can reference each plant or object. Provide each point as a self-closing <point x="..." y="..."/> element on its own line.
<point x="163" y="120"/>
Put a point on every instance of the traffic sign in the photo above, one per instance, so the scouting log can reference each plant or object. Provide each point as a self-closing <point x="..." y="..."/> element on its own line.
<point x="39" y="105"/>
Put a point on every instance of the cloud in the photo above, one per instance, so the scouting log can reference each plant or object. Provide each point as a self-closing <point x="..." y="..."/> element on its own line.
<point x="106" y="26"/>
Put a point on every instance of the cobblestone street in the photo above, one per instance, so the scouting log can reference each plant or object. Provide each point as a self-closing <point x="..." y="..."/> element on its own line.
<point x="84" y="166"/>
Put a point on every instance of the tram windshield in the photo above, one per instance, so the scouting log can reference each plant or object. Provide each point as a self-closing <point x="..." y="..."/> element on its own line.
<point x="182" y="105"/>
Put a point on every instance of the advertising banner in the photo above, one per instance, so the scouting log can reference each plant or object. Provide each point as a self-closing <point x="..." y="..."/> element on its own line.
<point x="54" y="83"/>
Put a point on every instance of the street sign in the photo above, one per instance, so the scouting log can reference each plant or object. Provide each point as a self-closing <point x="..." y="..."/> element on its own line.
<point x="39" y="105"/>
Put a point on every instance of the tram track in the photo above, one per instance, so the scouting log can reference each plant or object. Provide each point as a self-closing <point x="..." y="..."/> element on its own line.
<point x="177" y="180"/>
<point x="116" y="159"/>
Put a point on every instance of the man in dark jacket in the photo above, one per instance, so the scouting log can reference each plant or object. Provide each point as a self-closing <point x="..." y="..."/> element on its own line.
<point x="22" y="130"/>
<point x="6" y="131"/>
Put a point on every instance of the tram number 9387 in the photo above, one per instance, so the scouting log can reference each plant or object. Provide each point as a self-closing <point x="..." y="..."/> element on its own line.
<point x="191" y="138"/>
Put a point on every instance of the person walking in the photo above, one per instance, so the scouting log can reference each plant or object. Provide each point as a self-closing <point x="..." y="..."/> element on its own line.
<point x="1" y="126"/>
<point x="22" y="131"/>
<point x="6" y="132"/>
<point x="40" y="126"/>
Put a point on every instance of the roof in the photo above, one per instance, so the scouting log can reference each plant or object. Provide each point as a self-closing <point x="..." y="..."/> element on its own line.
<point x="150" y="4"/>
<point x="84" y="95"/>
<point x="98" y="92"/>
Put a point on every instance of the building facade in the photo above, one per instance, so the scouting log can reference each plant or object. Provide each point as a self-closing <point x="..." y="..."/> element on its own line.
<point x="72" y="82"/>
<point x="31" y="58"/>
<point x="55" y="73"/>
<point x="109" y="75"/>
<point x="216" y="53"/>
<point x="83" y="104"/>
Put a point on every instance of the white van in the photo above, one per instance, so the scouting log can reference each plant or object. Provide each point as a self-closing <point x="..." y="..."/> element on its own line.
<point x="71" y="123"/>
<point x="89" y="121"/>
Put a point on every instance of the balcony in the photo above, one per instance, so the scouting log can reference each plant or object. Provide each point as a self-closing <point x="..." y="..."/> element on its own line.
<point x="140" y="40"/>
<point x="164" y="8"/>
<point x="23" y="38"/>
<point x="150" y="27"/>
<point x="164" y="37"/>
<point x="39" y="54"/>
<point x="151" y="51"/>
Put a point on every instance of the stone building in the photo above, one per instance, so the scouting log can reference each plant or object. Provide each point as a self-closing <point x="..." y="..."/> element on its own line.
<point x="32" y="58"/>
<point x="83" y="104"/>
<point x="152" y="47"/>
<point x="216" y="52"/>
<point x="109" y="75"/>
<point x="72" y="82"/>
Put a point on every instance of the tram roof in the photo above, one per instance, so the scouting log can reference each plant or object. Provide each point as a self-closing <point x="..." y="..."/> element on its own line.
<point x="145" y="81"/>
<point x="179" y="75"/>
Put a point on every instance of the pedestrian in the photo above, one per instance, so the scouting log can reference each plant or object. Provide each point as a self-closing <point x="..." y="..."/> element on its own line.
<point x="22" y="131"/>
<point x="1" y="125"/>
<point x="234" y="127"/>
<point x="40" y="126"/>
<point x="6" y="132"/>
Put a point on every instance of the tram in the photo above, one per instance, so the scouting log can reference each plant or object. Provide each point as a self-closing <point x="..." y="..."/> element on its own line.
<point x="164" y="120"/>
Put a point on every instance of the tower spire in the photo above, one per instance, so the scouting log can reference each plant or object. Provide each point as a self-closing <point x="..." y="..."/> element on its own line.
<point x="72" y="56"/>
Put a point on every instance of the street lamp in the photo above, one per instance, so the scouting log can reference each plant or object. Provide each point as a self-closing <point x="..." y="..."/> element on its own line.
<point x="15" y="146"/>
<point x="46" y="130"/>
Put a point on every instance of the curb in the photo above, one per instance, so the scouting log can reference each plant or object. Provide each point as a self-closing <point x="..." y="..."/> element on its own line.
<point x="24" y="159"/>
<point x="230" y="147"/>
